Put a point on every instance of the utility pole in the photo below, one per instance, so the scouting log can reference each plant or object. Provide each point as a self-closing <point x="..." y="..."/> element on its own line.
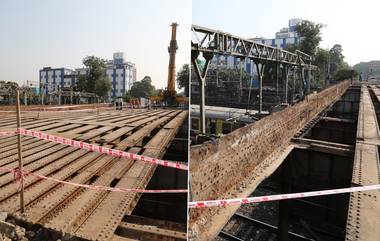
<point x="286" y="70"/>
<point x="294" y="83"/>
<point x="71" y="95"/>
<point x="18" y="112"/>
<point x="42" y="93"/>
<point x="327" y="82"/>
<point x="201" y="75"/>
<point x="260" y="72"/>
<point x="277" y="76"/>
<point x="25" y="97"/>
<point x="241" y="81"/>
<point x="59" y="95"/>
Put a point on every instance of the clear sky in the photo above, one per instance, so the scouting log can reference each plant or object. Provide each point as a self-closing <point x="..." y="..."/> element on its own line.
<point x="352" y="23"/>
<point x="57" y="33"/>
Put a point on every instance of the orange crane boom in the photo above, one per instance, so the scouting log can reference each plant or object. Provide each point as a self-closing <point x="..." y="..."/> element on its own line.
<point x="172" y="52"/>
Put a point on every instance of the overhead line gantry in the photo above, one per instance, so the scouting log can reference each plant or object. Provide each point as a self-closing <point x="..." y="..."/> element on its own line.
<point x="214" y="42"/>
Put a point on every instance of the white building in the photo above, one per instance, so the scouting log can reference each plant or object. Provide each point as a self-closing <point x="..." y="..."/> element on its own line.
<point x="283" y="37"/>
<point x="121" y="73"/>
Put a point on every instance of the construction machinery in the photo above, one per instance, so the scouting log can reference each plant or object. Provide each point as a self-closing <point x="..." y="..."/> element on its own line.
<point x="172" y="49"/>
<point x="169" y="96"/>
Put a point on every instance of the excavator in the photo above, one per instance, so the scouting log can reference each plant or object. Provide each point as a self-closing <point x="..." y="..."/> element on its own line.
<point x="169" y="96"/>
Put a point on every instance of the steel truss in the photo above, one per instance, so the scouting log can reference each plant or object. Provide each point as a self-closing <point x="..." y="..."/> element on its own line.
<point x="213" y="42"/>
<point x="218" y="42"/>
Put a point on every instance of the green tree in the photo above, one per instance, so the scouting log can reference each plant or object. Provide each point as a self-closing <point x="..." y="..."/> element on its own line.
<point x="227" y="77"/>
<point x="95" y="80"/>
<point x="143" y="88"/>
<point x="336" y="58"/>
<point x="8" y="89"/>
<point x="183" y="78"/>
<point x="10" y="86"/>
<point x="321" y="60"/>
<point x="310" y="36"/>
<point x="345" y="74"/>
<point x="127" y="97"/>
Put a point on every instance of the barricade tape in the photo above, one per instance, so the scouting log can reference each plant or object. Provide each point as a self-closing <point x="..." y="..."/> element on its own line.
<point x="239" y="201"/>
<point x="7" y="133"/>
<point x="59" y="110"/>
<point x="100" y="149"/>
<point x="18" y="175"/>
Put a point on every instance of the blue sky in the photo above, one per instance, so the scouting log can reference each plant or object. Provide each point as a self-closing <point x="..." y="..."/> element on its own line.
<point x="353" y="24"/>
<point x="38" y="33"/>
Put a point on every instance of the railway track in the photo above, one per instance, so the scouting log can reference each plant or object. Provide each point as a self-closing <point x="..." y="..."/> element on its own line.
<point x="258" y="230"/>
<point x="83" y="213"/>
<point x="256" y="222"/>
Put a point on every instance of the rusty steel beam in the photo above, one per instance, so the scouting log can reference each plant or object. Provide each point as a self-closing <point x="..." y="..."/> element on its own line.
<point x="154" y="230"/>
<point x="364" y="207"/>
<point x="113" y="208"/>
<point x="324" y="146"/>
<point x="234" y="165"/>
<point x="70" y="209"/>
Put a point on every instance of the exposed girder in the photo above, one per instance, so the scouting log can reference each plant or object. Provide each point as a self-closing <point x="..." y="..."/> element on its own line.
<point x="217" y="42"/>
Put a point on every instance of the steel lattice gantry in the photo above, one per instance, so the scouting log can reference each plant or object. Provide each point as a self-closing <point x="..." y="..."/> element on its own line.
<point x="210" y="42"/>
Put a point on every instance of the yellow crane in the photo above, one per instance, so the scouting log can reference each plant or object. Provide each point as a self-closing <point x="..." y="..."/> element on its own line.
<point x="169" y="95"/>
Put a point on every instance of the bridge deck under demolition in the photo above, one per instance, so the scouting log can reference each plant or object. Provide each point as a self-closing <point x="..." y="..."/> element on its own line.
<point x="363" y="220"/>
<point x="325" y="147"/>
<point x="83" y="213"/>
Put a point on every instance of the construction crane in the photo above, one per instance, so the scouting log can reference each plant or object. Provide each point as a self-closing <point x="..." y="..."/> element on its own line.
<point x="169" y="95"/>
<point x="172" y="49"/>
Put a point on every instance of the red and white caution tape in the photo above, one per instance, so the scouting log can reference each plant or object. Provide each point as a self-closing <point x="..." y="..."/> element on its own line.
<point x="239" y="201"/>
<point x="58" y="110"/>
<point x="7" y="133"/>
<point x="100" y="149"/>
<point x="21" y="174"/>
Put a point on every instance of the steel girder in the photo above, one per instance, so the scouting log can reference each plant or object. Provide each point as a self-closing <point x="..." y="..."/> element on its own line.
<point x="217" y="42"/>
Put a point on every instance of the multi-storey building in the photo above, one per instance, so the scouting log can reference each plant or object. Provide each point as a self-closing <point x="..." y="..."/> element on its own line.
<point x="121" y="73"/>
<point x="51" y="78"/>
<point x="283" y="37"/>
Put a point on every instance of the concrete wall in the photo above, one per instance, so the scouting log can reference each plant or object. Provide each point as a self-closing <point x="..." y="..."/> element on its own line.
<point x="217" y="168"/>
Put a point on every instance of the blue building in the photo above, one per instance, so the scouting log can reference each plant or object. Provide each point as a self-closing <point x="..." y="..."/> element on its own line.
<point x="121" y="73"/>
<point x="282" y="38"/>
